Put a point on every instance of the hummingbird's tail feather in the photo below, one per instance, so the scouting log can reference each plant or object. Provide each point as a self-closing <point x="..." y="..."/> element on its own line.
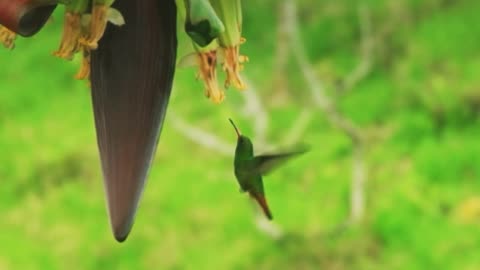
<point x="263" y="204"/>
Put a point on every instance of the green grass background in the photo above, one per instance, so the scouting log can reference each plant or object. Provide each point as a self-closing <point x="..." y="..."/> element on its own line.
<point x="421" y="100"/>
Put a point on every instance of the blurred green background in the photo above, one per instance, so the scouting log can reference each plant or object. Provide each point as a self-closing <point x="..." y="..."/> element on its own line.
<point x="418" y="106"/>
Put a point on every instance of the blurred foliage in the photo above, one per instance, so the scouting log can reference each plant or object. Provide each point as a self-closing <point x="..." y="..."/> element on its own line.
<point x="421" y="101"/>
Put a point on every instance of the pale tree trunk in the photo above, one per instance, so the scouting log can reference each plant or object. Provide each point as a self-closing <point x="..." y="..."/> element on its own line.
<point x="357" y="190"/>
<point x="282" y="55"/>
<point x="328" y="106"/>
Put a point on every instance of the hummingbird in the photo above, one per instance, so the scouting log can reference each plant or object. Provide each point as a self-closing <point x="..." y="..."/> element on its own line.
<point x="249" y="168"/>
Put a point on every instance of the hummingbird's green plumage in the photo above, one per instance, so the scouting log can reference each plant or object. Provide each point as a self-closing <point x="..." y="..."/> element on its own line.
<point x="250" y="168"/>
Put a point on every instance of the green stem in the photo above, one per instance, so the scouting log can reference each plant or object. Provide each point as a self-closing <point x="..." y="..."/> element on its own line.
<point x="106" y="2"/>
<point x="77" y="6"/>
<point x="202" y="23"/>
<point x="230" y="12"/>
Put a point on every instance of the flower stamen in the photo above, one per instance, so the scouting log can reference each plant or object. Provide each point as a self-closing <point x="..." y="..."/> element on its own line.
<point x="98" y="25"/>
<point x="207" y="62"/>
<point x="84" y="71"/>
<point x="102" y="13"/>
<point x="72" y="32"/>
<point x="7" y="37"/>
<point x="232" y="65"/>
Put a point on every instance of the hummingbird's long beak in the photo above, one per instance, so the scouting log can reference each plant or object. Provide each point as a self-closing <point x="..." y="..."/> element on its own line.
<point x="235" y="127"/>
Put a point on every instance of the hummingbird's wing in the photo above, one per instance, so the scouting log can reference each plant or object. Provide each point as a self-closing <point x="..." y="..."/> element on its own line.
<point x="264" y="164"/>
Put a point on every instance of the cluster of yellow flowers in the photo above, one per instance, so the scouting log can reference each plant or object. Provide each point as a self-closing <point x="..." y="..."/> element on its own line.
<point x="219" y="43"/>
<point x="215" y="27"/>
<point x="83" y="28"/>
<point x="7" y="37"/>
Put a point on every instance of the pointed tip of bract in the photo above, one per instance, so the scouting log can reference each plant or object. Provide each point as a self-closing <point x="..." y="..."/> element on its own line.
<point x="120" y="236"/>
<point x="121" y="227"/>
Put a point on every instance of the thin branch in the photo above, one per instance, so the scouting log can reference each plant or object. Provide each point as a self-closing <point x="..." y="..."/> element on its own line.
<point x="255" y="110"/>
<point x="264" y="225"/>
<point x="201" y="137"/>
<point x="297" y="131"/>
<point x="367" y="47"/>
<point x="324" y="103"/>
<point x="319" y="96"/>
<point x="298" y="48"/>
<point x="359" y="176"/>
<point x="282" y="52"/>
<point x="268" y="227"/>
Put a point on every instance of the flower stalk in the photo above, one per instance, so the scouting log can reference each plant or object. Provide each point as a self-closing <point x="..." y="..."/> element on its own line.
<point x="102" y="13"/>
<point x="230" y="12"/>
<point x="214" y="43"/>
<point x="72" y="29"/>
<point x="202" y="23"/>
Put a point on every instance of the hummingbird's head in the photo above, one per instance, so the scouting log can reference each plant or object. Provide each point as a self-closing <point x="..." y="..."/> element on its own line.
<point x="244" y="144"/>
